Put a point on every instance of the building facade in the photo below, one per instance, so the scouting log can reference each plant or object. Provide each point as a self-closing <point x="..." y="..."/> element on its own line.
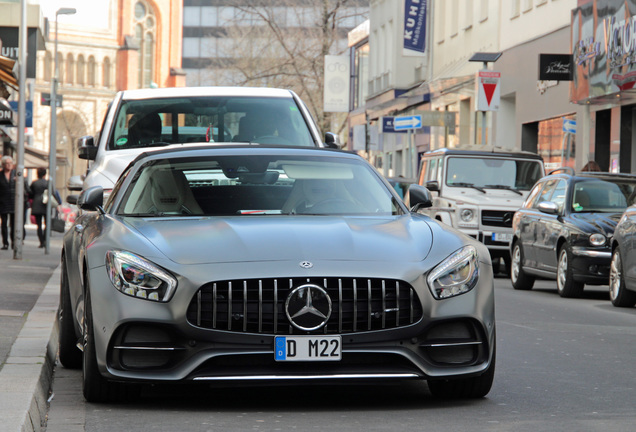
<point x="104" y="47"/>
<point x="440" y="86"/>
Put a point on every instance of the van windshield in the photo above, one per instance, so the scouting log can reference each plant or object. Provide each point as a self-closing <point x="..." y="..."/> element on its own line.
<point x="162" y="121"/>
<point x="492" y="173"/>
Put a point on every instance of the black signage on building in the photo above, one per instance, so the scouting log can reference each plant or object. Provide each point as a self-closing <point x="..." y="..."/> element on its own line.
<point x="9" y="46"/>
<point x="555" y="67"/>
<point x="6" y="113"/>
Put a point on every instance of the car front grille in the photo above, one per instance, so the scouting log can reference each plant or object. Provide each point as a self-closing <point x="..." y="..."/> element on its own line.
<point x="497" y="218"/>
<point x="258" y="305"/>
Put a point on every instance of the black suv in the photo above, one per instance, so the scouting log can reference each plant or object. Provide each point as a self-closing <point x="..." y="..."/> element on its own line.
<point x="564" y="227"/>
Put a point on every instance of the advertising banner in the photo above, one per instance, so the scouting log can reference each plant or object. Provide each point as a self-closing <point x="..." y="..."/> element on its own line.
<point x="336" y="93"/>
<point x="414" y="35"/>
<point x="555" y="67"/>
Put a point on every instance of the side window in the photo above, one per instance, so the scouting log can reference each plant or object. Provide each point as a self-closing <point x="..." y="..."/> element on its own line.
<point x="432" y="171"/>
<point x="422" y="179"/>
<point x="558" y="196"/>
<point x="532" y="196"/>
<point x="546" y="193"/>
<point x="440" y="167"/>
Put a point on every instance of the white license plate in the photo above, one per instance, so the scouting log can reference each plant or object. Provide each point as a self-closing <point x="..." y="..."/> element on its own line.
<point x="502" y="237"/>
<point x="307" y="348"/>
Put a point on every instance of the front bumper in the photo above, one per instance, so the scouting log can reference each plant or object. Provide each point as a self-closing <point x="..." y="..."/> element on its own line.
<point x="591" y="266"/>
<point x="143" y="341"/>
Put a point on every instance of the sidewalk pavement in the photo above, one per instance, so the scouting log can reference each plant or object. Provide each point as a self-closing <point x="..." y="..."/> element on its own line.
<point x="29" y="295"/>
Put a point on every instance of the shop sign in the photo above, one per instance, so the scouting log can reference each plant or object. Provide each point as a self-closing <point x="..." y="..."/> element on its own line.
<point x="414" y="36"/>
<point x="555" y="67"/>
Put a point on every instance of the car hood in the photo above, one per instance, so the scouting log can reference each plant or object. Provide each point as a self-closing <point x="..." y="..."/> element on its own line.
<point x="604" y="223"/>
<point x="500" y="198"/>
<point x="263" y="238"/>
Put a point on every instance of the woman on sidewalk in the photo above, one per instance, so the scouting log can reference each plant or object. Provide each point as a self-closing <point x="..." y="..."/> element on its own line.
<point x="40" y="190"/>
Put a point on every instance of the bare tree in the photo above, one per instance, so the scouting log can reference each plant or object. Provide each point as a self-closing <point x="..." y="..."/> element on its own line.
<point x="282" y="43"/>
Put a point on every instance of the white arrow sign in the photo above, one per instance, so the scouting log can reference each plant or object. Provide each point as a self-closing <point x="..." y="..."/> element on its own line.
<point x="407" y="122"/>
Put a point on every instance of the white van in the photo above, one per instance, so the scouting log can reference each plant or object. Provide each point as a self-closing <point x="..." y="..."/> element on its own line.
<point x="477" y="190"/>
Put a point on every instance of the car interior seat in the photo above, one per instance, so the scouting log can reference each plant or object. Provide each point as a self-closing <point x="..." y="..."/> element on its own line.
<point x="582" y="199"/>
<point x="170" y="193"/>
<point x="144" y="128"/>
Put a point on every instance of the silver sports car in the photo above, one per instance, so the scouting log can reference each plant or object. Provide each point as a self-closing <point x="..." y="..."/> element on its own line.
<point x="279" y="264"/>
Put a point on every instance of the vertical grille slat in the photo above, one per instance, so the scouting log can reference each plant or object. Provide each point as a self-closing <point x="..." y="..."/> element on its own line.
<point x="258" y="305"/>
<point x="369" y="310"/>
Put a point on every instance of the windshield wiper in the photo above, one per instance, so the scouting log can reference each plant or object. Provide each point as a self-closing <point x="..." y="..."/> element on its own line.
<point x="506" y="187"/>
<point x="143" y="214"/>
<point x="470" y="185"/>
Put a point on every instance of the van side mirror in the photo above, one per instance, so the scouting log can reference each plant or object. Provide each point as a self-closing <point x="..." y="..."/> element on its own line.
<point x="86" y="148"/>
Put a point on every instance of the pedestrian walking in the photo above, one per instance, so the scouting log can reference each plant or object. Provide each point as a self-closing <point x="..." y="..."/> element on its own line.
<point x="7" y="202"/>
<point x="40" y="196"/>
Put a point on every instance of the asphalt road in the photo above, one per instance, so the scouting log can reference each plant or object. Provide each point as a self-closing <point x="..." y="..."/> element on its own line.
<point x="563" y="365"/>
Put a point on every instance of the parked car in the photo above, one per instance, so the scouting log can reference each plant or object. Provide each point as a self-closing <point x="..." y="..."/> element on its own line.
<point x="270" y="263"/>
<point x="139" y="120"/>
<point x="477" y="190"/>
<point x="563" y="229"/>
<point x="622" y="274"/>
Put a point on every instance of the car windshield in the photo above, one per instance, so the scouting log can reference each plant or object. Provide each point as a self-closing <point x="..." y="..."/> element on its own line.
<point x="161" y="121"/>
<point x="257" y="185"/>
<point x="602" y="196"/>
<point x="492" y="173"/>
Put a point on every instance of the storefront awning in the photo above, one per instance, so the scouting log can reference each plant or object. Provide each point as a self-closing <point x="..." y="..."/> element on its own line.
<point x="6" y="72"/>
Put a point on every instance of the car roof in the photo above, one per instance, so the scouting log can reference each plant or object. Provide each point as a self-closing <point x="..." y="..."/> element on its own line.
<point x="205" y="91"/>
<point x="198" y="150"/>
<point x="586" y="175"/>
<point x="483" y="151"/>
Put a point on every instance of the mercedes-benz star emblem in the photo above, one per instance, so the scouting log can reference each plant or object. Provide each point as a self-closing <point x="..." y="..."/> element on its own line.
<point x="308" y="307"/>
<point x="306" y="264"/>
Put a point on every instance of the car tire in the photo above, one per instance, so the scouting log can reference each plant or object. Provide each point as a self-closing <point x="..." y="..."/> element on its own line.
<point x="96" y="388"/>
<point x="620" y="296"/>
<point x="520" y="280"/>
<point x="70" y="355"/>
<point x="567" y="287"/>
<point x="465" y="388"/>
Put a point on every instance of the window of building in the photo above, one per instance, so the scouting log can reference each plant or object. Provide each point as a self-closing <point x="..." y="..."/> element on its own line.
<point x="60" y="67"/>
<point x="440" y="19"/>
<point x="515" y="8"/>
<point x="48" y="66"/>
<point x="70" y="69"/>
<point x="454" y="17"/>
<point x="145" y="33"/>
<point x="467" y="9"/>
<point x="483" y="10"/>
<point x="106" y="73"/>
<point x="90" y="72"/>
<point x="81" y="70"/>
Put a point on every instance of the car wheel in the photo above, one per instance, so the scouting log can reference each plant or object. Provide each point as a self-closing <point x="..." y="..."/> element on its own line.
<point x="620" y="296"/>
<point x="566" y="285"/>
<point x="520" y="280"/>
<point x="467" y="388"/>
<point x="70" y="354"/>
<point x="97" y="388"/>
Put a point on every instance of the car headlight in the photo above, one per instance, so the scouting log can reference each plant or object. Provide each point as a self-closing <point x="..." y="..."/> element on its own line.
<point x="597" y="240"/>
<point x="467" y="218"/>
<point x="456" y="275"/>
<point x="137" y="277"/>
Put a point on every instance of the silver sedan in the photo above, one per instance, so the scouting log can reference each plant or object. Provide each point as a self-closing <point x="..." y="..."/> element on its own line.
<point x="277" y="264"/>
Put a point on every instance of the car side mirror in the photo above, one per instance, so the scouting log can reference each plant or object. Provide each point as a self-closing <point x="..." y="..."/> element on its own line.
<point x="332" y="140"/>
<point x="72" y="199"/>
<point x="548" y="207"/>
<point x="91" y="199"/>
<point x="432" y="185"/>
<point x="86" y="148"/>
<point x="75" y="183"/>
<point x="418" y="197"/>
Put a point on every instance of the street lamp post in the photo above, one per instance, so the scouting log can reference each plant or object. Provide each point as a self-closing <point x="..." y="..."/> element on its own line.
<point x="53" y="138"/>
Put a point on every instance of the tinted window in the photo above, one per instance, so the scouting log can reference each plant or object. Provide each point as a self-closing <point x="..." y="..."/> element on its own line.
<point x="148" y="122"/>
<point x="492" y="172"/>
<point x="601" y="196"/>
<point x="257" y="185"/>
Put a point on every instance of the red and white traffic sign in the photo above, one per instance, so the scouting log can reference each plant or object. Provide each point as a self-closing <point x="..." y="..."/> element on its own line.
<point x="488" y="90"/>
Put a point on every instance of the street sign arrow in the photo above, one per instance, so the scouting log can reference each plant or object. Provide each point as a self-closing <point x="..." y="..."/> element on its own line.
<point x="407" y="122"/>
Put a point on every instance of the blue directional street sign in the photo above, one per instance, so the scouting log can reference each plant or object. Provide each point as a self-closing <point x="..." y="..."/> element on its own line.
<point x="407" y="122"/>
<point x="569" y="126"/>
